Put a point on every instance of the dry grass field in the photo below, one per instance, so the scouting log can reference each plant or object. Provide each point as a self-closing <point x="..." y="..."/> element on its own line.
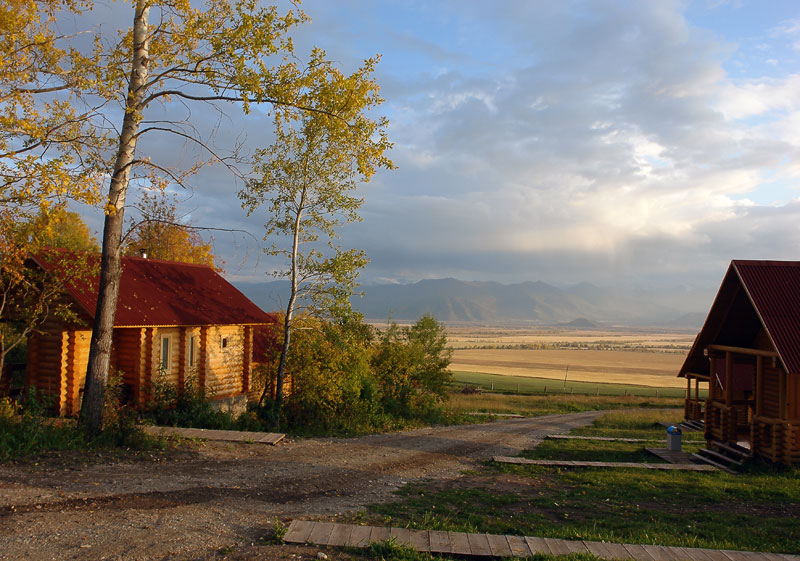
<point x="616" y="357"/>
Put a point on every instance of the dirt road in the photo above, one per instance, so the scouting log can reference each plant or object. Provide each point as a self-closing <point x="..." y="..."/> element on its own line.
<point x="193" y="503"/>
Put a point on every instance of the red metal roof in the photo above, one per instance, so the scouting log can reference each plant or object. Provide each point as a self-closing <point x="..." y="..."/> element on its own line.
<point x="773" y="289"/>
<point x="165" y="293"/>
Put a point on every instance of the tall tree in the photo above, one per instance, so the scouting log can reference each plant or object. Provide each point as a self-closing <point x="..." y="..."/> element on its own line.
<point x="308" y="179"/>
<point x="162" y="235"/>
<point x="236" y="52"/>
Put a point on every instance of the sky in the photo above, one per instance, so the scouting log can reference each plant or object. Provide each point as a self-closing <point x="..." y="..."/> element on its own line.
<point x="633" y="143"/>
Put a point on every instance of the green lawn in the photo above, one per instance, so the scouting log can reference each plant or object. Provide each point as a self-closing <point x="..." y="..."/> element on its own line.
<point x="758" y="511"/>
<point x="525" y="384"/>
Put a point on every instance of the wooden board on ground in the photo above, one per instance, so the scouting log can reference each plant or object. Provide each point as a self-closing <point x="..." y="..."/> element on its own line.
<point x="672" y="456"/>
<point x="223" y="435"/>
<point x="599" y="438"/>
<point x="490" y="545"/>
<point x="625" y="465"/>
<point x="298" y="531"/>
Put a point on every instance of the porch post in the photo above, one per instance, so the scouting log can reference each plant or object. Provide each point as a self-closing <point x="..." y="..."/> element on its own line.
<point x="782" y="395"/>
<point x="759" y="385"/>
<point x="728" y="379"/>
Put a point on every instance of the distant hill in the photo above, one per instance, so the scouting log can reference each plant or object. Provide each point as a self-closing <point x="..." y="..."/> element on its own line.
<point x="581" y="306"/>
<point x="581" y="323"/>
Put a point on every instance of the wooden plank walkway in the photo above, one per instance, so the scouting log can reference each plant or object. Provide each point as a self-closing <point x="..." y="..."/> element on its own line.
<point x="492" y="545"/>
<point x="600" y="438"/>
<point x="570" y="463"/>
<point x="672" y="456"/>
<point x="224" y="435"/>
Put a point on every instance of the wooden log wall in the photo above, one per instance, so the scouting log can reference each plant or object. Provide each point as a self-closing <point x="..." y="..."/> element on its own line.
<point x="58" y="356"/>
<point x="224" y="361"/>
<point x="128" y="343"/>
<point x="77" y="352"/>
<point x="43" y="370"/>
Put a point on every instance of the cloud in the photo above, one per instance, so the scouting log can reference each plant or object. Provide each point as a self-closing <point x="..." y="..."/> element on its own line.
<point x="556" y="141"/>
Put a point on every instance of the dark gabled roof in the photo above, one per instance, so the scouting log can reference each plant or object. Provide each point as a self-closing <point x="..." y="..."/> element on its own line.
<point x="164" y="293"/>
<point x="772" y="289"/>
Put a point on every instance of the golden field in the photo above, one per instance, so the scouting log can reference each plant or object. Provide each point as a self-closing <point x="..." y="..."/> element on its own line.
<point x="616" y="357"/>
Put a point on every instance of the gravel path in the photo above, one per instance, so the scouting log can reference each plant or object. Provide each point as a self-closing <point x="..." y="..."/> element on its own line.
<point x="190" y="503"/>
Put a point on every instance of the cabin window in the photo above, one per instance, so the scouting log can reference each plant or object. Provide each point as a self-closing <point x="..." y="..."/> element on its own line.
<point x="224" y="342"/>
<point x="192" y="350"/>
<point x="165" y="354"/>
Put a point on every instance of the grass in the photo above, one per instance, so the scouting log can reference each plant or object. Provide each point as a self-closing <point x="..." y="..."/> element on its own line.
<point x="536" y="405"/>
<point x="621" y="424"/>
<point x="26" y="431"/>
<point x="530" y="385"/>
<point x="756" y="511"/>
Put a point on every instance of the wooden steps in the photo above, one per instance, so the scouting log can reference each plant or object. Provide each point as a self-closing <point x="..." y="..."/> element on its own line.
<point x="726" y="457"/>
<point x="224" y="435"/>
<point x="493" y="545"/>
<point x="688" y="425"/>
<point x="633" y="465"/>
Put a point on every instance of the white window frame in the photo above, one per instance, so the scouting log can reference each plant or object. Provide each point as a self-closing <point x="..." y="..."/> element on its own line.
<point x="193" y="351"/>
<point x="165" y="358"/>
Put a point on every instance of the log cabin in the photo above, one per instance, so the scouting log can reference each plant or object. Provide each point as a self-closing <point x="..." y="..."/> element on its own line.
<point x="174" y="322"/>
<point x="747" y="355"/>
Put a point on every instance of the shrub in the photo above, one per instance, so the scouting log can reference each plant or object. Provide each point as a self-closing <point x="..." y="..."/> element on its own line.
<point x="411" y="365"/>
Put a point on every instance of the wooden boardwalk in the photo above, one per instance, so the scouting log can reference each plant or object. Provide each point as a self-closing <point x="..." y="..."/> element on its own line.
<point x="672" y="456"/>
<point x="208" y="434"/>
<point x="570" y="463"/>
<point x="491" y="545"/>
<point x="600" y="438"/>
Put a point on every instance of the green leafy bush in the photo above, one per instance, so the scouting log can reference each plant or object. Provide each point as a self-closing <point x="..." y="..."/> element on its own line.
<point x="410" y="364"/>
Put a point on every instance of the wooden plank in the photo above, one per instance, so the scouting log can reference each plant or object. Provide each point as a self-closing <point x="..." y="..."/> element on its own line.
<point x="321" y="533"/>
<point x="379" y="534"/>
<point x="735" y="555"/>
<point x="598" y="549"/>
<point x="440" y="541"/>
<point x="359" y="536"/>
<point x="556" y="547"/>
<point x="537" y="545"/>
<point x="601" y="438"/>
<point x="773" y="557"/>
<point x="575" y="546"/>
<point x="623" y="465"/>
<point x="460" y="543"/>
<point x="660" y="553"/>
<point x="479" y="544"/>
<point x="519" y="547"/>
<point x="694" y="554"/>
<point x="618" y="551"/>
<point x="340" y="534"/>
<point x="716" y="555"/>
<point x="420" y="540"/>
<point x="401" y="535"/>
<point x="298" y="531"/>
<point x="638" y="552"/>
<point x="753" y="555"/>
<point x="499" y="545"/>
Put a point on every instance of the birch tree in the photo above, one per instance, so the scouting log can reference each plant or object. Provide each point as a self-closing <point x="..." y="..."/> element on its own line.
<point x="226" y="52"/>
<point x="307" y="185"/>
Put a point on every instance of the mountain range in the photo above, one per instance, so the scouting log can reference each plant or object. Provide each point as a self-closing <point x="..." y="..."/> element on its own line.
<point x="452" y="300"/>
